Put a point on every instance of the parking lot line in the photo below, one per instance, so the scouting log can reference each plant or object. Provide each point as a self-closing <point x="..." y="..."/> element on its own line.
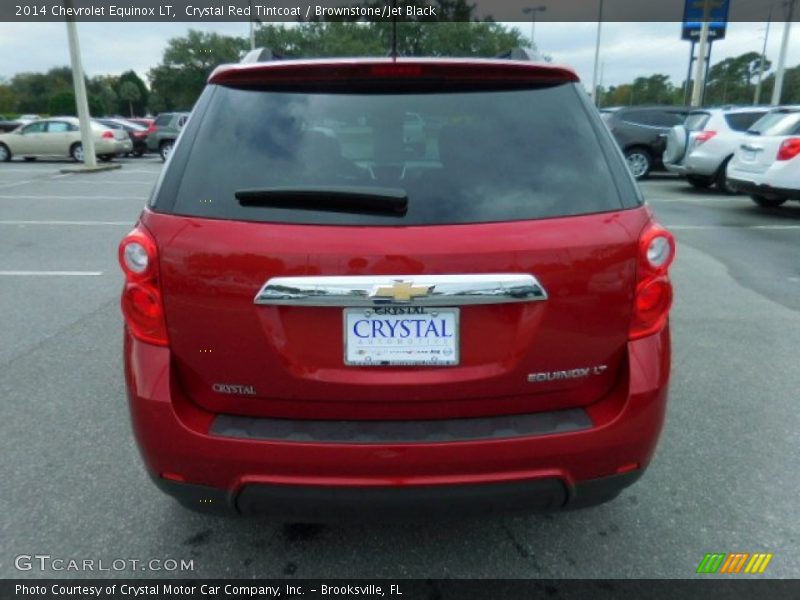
<point x="8" y="185"/>
<point x="51" y="273"/>
<point x="125" y="223"/>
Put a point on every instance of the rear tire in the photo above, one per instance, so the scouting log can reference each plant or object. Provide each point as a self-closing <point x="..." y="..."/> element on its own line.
<point x="699" y="182"/>
<point x="165" y="149"/>
<point x="5" y="153"/>
<point x="721" y="179"/>
<point x="765" y="202"/>
<point x="639" y="162"/>
<point x="76" y="152"/>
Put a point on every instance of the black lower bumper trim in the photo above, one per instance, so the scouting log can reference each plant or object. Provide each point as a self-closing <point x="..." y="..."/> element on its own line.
<point x="331" y="503"/>
<point x="749" y="187"/>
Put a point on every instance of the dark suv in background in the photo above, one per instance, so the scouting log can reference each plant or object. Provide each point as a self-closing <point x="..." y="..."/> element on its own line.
<point x="641" y="133"/>
<point x="164" y="131"/>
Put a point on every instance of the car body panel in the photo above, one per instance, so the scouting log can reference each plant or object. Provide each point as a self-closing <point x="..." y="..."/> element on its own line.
<point x="298" y="376"/>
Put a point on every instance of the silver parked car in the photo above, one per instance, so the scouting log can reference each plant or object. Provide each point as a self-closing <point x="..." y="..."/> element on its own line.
<point x="61" y="137"/>
<point x="701" y="148"/>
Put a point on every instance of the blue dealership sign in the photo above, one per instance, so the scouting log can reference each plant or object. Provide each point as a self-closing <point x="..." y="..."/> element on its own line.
<point x="693" y="19"/>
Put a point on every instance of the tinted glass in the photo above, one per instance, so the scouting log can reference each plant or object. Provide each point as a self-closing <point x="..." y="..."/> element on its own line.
<point x="666" y="119"/>
<point x="638" y="117"/>
<point x="742" y="121"/>
<point x="38" y="127"/>
<point x="777" y="123"/>
<point x="163" y="120"/>
<point x="696" y="121"/>
<point x="58" y="127"/>
<point x="461" y="157"/>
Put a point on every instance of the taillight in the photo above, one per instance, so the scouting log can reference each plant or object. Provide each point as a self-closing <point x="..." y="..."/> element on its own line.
<point x="142" y="306"/>
<point x="653" y="297"/>
<point x="139" y="134"/>
<point x="109" y="135"/>
<point x="151" y="129"/>
<point x="704" y="136"/>
<point x="789" y="149"/>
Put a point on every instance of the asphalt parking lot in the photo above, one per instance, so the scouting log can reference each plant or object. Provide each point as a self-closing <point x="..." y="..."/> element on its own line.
<point x="725" y="477"/>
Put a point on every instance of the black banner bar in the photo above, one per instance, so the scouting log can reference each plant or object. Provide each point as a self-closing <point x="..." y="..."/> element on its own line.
<point x="704" y="588"/>
<point x="364" y="10"/>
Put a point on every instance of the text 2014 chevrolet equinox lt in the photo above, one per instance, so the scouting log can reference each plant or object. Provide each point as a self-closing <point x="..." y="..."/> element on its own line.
<point x="324" y="318"/>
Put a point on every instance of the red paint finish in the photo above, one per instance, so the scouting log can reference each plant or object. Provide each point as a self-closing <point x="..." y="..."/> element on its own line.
<point x="172" y="433"/>
<point x="293" y="356"/>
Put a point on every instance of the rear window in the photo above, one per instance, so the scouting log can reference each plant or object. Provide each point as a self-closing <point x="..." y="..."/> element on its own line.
<point x="696" y="121"/>
<point x="777" y="123"/>
<point x="743" y="121"/>
<point x="461" y="157"/>
<point x="163" y="120"/>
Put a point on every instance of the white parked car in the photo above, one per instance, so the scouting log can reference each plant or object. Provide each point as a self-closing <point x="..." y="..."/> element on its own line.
<point x="61" y="137"/>
<point x="767" y="163"/>
<point x="701" y="148"/>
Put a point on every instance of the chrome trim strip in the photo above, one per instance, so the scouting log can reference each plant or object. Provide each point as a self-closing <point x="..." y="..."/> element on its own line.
<point x="403" y="290"/>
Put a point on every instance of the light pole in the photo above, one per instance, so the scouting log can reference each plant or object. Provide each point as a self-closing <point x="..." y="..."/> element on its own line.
<point x="252" y="26"/>
<point x="87" y="140"/>
<point x="597" y="53"/>
<point x="761" y="62"/>
<point x="779" y="71"/>
<point x="532" y="10"/>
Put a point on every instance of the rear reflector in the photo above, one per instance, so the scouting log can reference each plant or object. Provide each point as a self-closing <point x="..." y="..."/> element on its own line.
<point x="627" y="468"/>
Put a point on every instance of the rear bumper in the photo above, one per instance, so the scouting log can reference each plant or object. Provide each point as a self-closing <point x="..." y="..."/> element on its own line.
<point x="321" y="479"/>
<point x="325" y="503"/>
<point x="678" y="169"/>
<point x="762" y="189"/>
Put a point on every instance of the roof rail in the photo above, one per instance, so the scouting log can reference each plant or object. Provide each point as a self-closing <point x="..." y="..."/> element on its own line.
<point x="259" y="55"/>
<point x="519" y="54"/>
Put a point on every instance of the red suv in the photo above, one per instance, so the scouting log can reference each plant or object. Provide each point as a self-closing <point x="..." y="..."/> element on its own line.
<point x="328" y="314"/>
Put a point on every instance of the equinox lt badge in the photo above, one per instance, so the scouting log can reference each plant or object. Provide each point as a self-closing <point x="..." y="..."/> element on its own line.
<point x="571" y="374"/>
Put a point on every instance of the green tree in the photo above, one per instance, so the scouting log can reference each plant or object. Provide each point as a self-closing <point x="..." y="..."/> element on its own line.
<point x="130" y="93"/>
<point x="187" y="63"/>
<point x="730" y="81"/>
<point x="139" y="104"/>
<point x="101" y="92"/>
<point x="791" y="87"/>
<point x="8" y="99"/>
<point x="62" y="104"/>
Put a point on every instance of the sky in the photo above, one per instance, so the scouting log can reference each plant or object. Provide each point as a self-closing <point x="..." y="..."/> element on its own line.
<point x="628" y="50"/>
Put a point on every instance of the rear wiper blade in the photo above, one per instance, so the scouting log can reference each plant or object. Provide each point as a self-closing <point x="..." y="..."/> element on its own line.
<point x="752" y="132"/>
<point x="391" y="202"/>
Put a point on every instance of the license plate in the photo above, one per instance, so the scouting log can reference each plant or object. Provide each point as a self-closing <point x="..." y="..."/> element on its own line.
<point x="748" y="155"/>
<point x="401" y="335"/>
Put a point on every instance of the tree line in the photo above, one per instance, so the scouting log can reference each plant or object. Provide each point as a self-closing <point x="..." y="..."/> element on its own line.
<point x="730" y="81"/>
<point x="176" y="82"/>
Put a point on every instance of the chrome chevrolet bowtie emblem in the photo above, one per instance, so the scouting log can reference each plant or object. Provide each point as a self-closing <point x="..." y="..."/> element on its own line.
<point x="401" y="291"/>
